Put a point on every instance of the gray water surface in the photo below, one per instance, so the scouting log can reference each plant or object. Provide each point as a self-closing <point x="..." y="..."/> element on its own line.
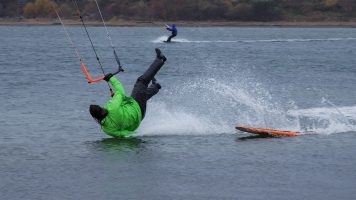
<point x="300" y="79"/>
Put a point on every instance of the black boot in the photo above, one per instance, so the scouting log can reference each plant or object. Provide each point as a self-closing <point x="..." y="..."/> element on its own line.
<point x="160" y="55"/>
<point x="154" y="82"/>
<point x="151" y="72"/>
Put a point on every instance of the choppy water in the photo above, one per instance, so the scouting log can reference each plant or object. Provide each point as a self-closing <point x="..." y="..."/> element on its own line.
<point x="287" y="78"/>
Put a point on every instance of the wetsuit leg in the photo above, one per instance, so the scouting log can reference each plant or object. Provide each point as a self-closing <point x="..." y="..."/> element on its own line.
<point x="151" y="71"/>
<point x="170" y="37"/>
<point x="141" y="93"/>
<point x="152" y="90"/>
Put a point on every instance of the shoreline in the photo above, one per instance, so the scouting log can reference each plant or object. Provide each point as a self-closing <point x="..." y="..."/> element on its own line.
<point x="138" y="23"/>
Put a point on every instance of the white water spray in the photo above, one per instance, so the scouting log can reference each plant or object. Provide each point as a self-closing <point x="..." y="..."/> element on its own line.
<point x="202" y="107"/>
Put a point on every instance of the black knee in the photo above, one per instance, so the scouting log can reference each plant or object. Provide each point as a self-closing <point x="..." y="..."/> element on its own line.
<point x="142" y="80"/>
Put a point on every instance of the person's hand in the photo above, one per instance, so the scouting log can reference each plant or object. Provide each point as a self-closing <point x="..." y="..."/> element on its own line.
<point x="107" y="77"/>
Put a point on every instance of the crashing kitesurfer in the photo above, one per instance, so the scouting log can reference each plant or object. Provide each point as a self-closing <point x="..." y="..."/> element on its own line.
<point x="122" y="115"/>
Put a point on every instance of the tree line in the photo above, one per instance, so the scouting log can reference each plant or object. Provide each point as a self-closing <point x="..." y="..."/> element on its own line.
<point x="240" y="10"/>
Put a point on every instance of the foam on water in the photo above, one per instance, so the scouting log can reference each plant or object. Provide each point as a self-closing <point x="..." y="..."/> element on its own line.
<point x="327" y="120"/>
<point x="297" y="40"/>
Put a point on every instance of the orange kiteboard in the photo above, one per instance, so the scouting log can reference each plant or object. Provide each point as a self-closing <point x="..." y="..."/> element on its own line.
<point x="262" y="131"/>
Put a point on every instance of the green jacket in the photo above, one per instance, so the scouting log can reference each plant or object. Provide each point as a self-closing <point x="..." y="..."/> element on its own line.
<point x="124" y="113"/>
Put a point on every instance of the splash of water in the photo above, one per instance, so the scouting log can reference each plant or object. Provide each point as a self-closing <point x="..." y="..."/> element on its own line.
<point x="210" y="106"/>
<point x="200" y="107"/>
<point x="214" y="105"/>
<point x="163" y="120"/>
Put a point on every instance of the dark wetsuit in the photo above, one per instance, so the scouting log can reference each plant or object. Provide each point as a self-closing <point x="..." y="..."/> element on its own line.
<point x="141" y="91"/>
<point x="174" y="31"/>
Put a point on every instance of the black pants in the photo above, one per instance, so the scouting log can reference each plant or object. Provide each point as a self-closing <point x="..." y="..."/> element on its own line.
<point x="172" y="36"/>
<point x="141" y="91"/>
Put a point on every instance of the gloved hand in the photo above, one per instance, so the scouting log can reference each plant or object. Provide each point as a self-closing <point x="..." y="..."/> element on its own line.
<point x="107" y="77"/>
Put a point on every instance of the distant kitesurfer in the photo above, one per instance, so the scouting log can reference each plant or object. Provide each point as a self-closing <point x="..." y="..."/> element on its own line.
<point x="174" y="31"/>
<point x="122" y="115"/>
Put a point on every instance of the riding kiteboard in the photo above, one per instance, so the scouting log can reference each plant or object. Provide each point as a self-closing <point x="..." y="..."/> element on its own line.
<point x="267" y="132"/>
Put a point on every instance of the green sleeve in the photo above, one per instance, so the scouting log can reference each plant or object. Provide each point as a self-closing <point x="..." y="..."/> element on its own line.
<point x="118" y="87"/>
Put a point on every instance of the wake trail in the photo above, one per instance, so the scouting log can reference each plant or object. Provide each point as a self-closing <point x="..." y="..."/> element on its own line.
<point x="183" y="40"/>
<point x="327" y="120"/>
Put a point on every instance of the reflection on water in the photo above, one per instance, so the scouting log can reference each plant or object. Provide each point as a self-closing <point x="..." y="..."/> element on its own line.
<point x="255" y="137"/>
<point x="119" y="144"/>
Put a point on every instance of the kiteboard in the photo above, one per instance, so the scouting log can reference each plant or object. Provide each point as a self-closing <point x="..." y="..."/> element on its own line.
<point x="267" y="132"/>
<point x="168" y="42"/>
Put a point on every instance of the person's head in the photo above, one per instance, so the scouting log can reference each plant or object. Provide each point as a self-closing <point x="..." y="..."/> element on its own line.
<point x="97" y="112"/>
<point x="173" y="25"/>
